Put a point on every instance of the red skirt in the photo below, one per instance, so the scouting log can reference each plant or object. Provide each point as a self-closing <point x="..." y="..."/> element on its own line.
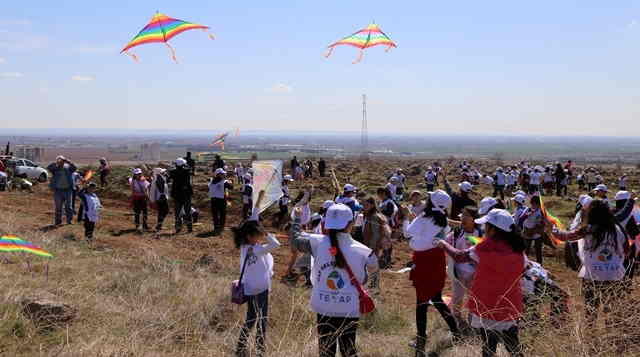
<point x="429" y="273"/>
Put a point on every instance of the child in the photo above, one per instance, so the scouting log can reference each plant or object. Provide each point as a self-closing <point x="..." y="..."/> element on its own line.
<point x="91" y="213"/>
<point x="159" y="195"/>
<point x="283" y="203"/>
<point x="520" y="209"/>
<point x="532" y="227"/>
<point x="392" y="187"/>
<point x="348" y="198"/>
<point x="387" y="206"/>
<point x="495" y="300"/>
<point x="139" y="195"/>
<point x="430" y="179"/>
<point x="247" y="196"/>
<point x="416" y="205"/>
<point x="218" y="187"/>
<point x="256" y="264"/>
<point x="499" y="183"/>
<point x="622" y="183"/>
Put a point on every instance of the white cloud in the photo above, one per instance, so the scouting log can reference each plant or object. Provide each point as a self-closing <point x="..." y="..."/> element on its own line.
<point x="280" y="88"/>
<point x="11" y="75"/>
<point x="80" y="78"/>
<point x="95" y="49"/>
<point x="15" y="22"/>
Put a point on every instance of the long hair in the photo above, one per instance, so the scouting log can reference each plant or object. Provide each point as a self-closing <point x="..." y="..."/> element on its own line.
<point x="374" y="207"/>
<point x="473" y="212"/>
<point x="384" y="191"/>
<point x="246" y="229"/>
<point x="603" y="224"/>
<point x="513" y="238"/>
<point x="341" y="262"/>
<point x="439" y="218"/>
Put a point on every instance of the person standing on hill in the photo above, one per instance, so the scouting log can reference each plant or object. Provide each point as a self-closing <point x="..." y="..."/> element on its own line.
<point x="322" y="166"/>
<point x="139" y="198"/>
<point x="104" y="170"/>
<point x="218" y="186"/>
<point x="181" y="192"/>
<point x="459" y="200"/>
<point x="62" y="185"/>
<point x="191" y="163"/>
<point x="218" y="163"/>
<point x="560" y="176"/>
<point x="294" y="165"/>
<point x="159" y="195"/>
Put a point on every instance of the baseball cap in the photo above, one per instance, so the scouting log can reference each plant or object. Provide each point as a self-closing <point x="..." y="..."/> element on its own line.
<point x="137" y="171"/>
<point x="394" y="179"/>
<point x="465" y="186"/>
<point x="327" y="204"/>
<point x="498" y="217"/>
<point x="350" y="188"/>
<point x="316" y="217"/>
<point x="520" y="193"/>
<point x="219" y="171"/>
<point x="521" y="199"/>
<point x="288" y="178"/>
<point x="487" y="204"/>
<point x="602" y="188"/>
<point x="623" y="195"/>
<point x="585" y="200"/>
<point x="338" y="217"/>
<point x="247" y="176"/>
<point x="440" y="200"/>
<point x="180" y="162"/>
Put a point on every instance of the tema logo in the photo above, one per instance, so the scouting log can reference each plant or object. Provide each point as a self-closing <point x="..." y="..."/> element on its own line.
<point x="334" y="281"/>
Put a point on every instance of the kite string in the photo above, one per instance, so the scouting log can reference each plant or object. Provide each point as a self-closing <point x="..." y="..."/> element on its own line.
<point x="326" y="55"/>
<point x="173" y="52"/>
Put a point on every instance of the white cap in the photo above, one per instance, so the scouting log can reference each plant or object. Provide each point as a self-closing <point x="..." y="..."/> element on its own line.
<point x="520" y="193"/>
<point x="499" y="169"/>
<point x="316" y="216"/>
<point x="288" y="178"/>
<point x="181" y="162"/>
<point x="602" y="188"/>
<point x="137" y="171"/>
<point x="327" y="204"/>
<point x="498" y="217"/>
<point x="465" y="186"/>
<point x="394" y="179"/>
<point x="521" y="199"/>
<point x="486" y="205"/>
<point x="440" y="200"/>
<point x="219" y="171"/>
<point x="585" y="200"/>
<point x="60" y="157"/>
<point x="623" y="195"/>
<point x="248" y="177"/>
<point x="338" y="217"/>
<point x="350" y="188"/>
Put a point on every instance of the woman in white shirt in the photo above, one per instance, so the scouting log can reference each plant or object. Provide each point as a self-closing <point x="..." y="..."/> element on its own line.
<point x="605" y="247"/>
<point x="334" y="298"/>
<point x="256" y="262"/>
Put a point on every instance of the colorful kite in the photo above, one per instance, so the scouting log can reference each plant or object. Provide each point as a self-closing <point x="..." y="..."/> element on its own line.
<point x="162" y="28"/>
<point x="363" y="39"/>
<point x="553" y="220"/>
<point x="11" y="243"/>
<point x="475" y="240"/>
<point x="219" y="141"/>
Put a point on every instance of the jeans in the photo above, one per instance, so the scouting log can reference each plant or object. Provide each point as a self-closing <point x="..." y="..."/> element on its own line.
<point x="182" y="203"/>
<point x="257" y="312"/>
<point x="537" y="243"/>
<point x="163" y="211"/>
<point x="337" y="331"/>
<point x="62" y="198"/>
<point x="509" y="338"/>
<point x="219" y="213"/>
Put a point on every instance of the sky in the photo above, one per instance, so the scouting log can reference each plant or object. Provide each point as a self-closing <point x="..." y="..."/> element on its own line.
<point x="461" y="67"/>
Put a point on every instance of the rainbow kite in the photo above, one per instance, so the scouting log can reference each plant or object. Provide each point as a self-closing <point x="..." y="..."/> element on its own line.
<point x="475" y="240"/>
<point x="553" y="220"/>
<point x="162" y="28"/>
<point x="11" y="243"/>
<point x="363" y="39"/>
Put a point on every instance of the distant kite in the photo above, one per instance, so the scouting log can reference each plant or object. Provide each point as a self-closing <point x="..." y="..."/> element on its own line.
<point x="219" y="141"/>
<point x="162" y="28"/>
<point x="363" y="39"/>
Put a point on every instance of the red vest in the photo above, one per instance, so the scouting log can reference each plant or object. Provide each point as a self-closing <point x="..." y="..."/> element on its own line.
<point x="429" y="273"/>
<point x="495" y="292"/>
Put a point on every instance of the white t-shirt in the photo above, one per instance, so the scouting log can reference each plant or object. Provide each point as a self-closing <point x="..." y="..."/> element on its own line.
<point x="430" y="178"/>
<point x="217" y="190"/>
<point x="259" y="268"/>
<point x="605" y="263"/>
<point x="423" y="231"/>
<point x="532" y="221"/>
<point x="501" y="179"/>
<point x="534" y="178"/>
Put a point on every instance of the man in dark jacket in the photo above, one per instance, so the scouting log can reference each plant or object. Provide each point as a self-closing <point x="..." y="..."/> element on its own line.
<point x="322" y="166"/>
<point x="461" y="199"/>
<point x="218" y="163"/>
<point x="294" y="165"/>
<point x="181" y="192"/>
<point x="191" y="163"/>
<point x="61" y="184"/>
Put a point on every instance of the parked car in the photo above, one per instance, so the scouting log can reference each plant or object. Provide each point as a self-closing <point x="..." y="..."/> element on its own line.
<point x="33" y="171"/>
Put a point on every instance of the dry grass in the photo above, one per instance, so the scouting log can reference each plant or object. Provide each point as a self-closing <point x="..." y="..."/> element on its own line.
<point x="147" y="301"/>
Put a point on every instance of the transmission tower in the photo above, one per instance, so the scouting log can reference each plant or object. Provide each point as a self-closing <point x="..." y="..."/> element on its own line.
<point x="364" y="133"/>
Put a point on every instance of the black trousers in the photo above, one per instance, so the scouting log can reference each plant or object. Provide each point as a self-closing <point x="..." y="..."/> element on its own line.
<point x="182" y="203"/>
<point x="337" y="331"/>
<point x="140" y="207"/>
<point x="89" y="227"/>
<point x="498" y="190"/>
<point x="219" y="212"/>
<point x="421" y="315"/>
<point x="537" y="244"/>
<point x="509" y="338"/>
<point x="163" y="211"/>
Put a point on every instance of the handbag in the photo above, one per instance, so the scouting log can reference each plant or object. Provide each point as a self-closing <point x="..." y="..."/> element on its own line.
<point x="366" y="302"/>
<point x="237" y="287"/>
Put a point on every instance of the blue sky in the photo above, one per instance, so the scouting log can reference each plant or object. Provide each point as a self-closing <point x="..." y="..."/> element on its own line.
<point x="507" y="67"/>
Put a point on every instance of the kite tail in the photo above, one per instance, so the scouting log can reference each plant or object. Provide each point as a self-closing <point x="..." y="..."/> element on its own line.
<point x="326" y="55"/>
<point x="173" y="52"/>
<point x="359" y="57"/>
<point x="211" y="36"/>
<point x="135" y="58"/>
<point x="388" y="49"/>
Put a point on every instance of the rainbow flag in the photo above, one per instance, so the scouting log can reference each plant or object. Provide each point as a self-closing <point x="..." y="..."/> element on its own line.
<point x="10" y="243"/>
<point x="475" y="240"/>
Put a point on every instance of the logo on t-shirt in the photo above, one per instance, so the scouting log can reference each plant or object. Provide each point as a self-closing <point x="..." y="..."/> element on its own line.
<point x="605" y="255"/>
<point x="334" y="281"/>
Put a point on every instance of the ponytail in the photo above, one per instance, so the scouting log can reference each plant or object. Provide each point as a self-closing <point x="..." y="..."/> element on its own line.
<point x="341" y="262"/>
